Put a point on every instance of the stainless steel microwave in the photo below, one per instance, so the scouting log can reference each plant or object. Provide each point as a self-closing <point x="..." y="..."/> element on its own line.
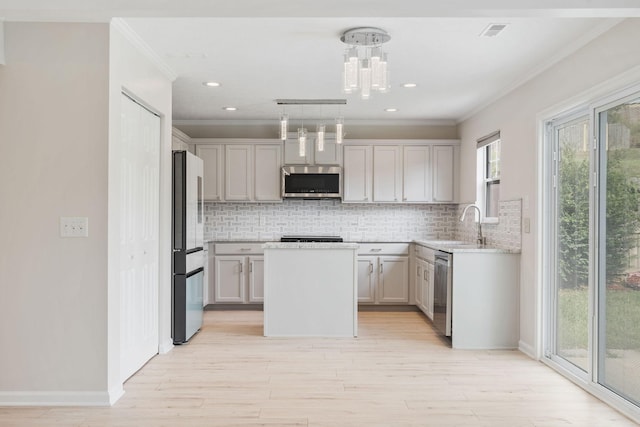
<point x="311" y="182"/>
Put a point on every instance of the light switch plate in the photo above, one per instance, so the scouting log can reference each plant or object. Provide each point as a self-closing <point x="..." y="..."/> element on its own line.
<point x="74" y="226"/>
<point x="526" y="224"/>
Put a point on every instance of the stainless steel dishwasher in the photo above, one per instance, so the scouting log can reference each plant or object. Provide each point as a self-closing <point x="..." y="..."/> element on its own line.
<point x="442" y="292"/>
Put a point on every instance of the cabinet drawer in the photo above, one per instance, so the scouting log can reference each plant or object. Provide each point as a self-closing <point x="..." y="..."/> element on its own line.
<point x="239" y="248"/>
<point x="383" y="249"/>
<point x="425" y="253"/>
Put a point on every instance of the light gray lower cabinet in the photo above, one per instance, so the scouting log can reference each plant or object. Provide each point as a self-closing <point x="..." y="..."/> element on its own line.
<point x="383" y="278"/>
<point x="423" y="279"/>
<point x="239" y="278"/>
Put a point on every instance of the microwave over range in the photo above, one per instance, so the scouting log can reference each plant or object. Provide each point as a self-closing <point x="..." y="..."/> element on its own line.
<point x="312" y="182"/>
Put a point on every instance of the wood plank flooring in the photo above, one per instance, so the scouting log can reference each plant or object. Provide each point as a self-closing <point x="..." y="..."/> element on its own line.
<point x="398" y="373"/>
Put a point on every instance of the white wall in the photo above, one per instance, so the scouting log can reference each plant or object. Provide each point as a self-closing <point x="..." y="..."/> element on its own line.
<point x="53" y="163"/>
<point x="514" y="115"/>
<point x="59" y="128"/>
<point x="140" y="77"/>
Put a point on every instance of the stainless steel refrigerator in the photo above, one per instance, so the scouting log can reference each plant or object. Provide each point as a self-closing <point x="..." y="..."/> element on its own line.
<point x="188" y="243"/>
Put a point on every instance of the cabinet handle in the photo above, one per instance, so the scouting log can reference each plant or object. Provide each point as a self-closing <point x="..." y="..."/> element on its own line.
<point x="370" y="268"/>
<point x="240" y="267"/>
<point x="425" y="275"/>
<point x="376" y="250"/>
<point x="381" y="268"/>
<point x="251" y="267"/>
<point x="245" y="249"/>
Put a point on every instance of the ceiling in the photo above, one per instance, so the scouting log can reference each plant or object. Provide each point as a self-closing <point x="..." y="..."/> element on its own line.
<point x="263" y="50"/>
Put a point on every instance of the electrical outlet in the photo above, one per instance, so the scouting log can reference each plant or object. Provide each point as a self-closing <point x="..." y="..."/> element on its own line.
<point x="74" y="226"/>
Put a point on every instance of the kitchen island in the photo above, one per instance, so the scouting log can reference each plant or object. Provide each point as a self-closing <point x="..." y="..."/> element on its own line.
<point x="310" y="289"/>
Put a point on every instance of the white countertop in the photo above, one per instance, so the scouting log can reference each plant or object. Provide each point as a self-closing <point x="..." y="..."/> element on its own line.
<point x="310" y="245"/>
<point x="452" y="246"/>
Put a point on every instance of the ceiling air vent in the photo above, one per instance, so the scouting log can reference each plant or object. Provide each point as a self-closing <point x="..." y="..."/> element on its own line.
<point x="493" y="30"/>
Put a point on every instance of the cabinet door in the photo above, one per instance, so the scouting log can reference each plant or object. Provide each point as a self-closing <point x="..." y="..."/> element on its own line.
<point x="238" y="172"/>
<point x="357" y="174"/>
<point x="229" y="285"/>
<point x="256" y="279"/>
<point x="428" y="290"/>
<point x="393" y="283"/>
<point x="331" y="155"/>
<point x="213" y="158"/>
<point x="366" y="279"/>
<point x="387" y="173"/>
<point x="443" y="173"/>
<point x="292" y="152"/>
<point x="266" y="184"/>
<point x="418" y="277"/>
<point x="416" y="167"/>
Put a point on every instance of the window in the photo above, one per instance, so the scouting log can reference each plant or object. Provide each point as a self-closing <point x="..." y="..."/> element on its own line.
<point x="489" y="176"/>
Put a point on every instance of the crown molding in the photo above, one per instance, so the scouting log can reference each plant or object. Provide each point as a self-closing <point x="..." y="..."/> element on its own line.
<point x="133" y="37"/>
<point x="265" y="122"/>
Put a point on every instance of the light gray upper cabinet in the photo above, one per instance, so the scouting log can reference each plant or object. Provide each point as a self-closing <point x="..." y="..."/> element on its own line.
<point x="238" y="172"/>
<point x="387" y="173"/>
<point x="266" y="177"/>
<point x="213" y="159"/>
<point x="400" y="172"/>
<point x="357" y="173"/>
<point x="247" y="172"/>
<point x="292" y="153"/>
<point x="330" y="155"/>
<point x="444" y="165"/>
<point x="416" y="173"/>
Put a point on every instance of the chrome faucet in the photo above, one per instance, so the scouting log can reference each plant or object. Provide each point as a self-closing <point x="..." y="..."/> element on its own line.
<point x="479" y="239"/>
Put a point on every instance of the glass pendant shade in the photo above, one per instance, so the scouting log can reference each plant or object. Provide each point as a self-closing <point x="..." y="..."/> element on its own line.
<point x="351" y="70"/>
<point x="339" y="130"/>
<point x="302" y="142"/>
<point x="284" y="122"/>
<point x="320" y="137"/>
<point x="365" y="79"/>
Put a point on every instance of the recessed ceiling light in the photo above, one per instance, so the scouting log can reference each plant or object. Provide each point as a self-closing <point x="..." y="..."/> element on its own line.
<point x="390" y="110"/>
<point x="229" y="108"/>
<point x="409" y="85"/>
<point x="211" y="84"/>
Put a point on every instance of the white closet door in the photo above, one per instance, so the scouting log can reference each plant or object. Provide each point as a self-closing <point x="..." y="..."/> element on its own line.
<point x="139" y="227"/>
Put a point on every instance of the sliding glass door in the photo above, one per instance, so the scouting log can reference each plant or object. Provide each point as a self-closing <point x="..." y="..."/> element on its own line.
<point x="619" y="263"/>
<point x="570" y="289"/>
<point x="593" y="246"/>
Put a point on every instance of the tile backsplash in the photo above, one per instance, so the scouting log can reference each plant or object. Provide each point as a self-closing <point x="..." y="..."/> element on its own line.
<point x="355" y="222"/>
<point x="506" y="233"/>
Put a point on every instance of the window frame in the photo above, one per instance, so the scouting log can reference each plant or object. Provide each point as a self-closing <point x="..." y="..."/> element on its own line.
<point x="483" y="180"/>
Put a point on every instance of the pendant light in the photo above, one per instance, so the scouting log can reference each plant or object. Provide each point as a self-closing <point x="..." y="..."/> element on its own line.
<point x="302" y="142"/>
<point x="339" y="130"/>
<point x="365" y="64"/>
<point x="284" y="124"/>
<point x="320" y="137"/>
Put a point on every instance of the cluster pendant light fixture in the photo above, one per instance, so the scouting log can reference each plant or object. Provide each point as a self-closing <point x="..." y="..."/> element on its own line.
<point x="365" y="64"/>
<point x="321" y="128"/>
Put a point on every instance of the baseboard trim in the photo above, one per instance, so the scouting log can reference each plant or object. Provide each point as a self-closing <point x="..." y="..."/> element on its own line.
<point x="59" y="398"/>
<point x="165" y="346"/>
<point x="527" y="349"/>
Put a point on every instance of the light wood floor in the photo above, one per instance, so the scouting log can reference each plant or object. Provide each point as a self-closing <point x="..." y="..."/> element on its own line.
<point x="397" y="373"/>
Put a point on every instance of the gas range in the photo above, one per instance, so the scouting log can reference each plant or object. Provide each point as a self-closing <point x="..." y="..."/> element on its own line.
<point x="306" y="239"/>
